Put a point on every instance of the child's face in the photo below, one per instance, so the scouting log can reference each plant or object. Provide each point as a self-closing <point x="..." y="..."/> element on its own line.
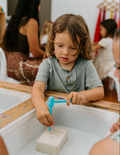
<point x="116" y="53"/>
<point x="65" y="50"/>
<point x="103" y="31"/>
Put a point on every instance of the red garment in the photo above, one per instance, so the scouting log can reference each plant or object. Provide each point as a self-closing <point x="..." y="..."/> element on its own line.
<point x="97" y="30"/>
<point x="104" y="13"/>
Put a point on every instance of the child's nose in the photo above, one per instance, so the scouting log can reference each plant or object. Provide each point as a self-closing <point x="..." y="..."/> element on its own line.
<point x="65" y="51"/>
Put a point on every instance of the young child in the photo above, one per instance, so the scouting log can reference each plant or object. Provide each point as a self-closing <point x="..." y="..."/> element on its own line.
<point x="69" y="69"/>
<point x="45" y="33"/>
<point x="116" y="53"/>
<point x="111" y="144"/>
<point x="104" y="61"/>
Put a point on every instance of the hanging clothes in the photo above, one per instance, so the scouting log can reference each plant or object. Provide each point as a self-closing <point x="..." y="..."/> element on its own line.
<point x="118" y="22"/>
<point x="97" y="30"/>
<point x="111" y="16"/>
<point x="115" y="15"/>
<point x="104" y="13"/>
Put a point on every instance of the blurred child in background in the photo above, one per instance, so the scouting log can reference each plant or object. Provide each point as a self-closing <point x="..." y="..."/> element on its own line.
<point x="47" y="27"/>
<point x="111" y="144"/>
<point x="104" y="61"/>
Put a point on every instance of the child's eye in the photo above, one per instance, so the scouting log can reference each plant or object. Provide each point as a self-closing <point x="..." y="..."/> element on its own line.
<point x="118" y="67"/>
<point x="73" y="48"/>
<point x="60" y="45"/>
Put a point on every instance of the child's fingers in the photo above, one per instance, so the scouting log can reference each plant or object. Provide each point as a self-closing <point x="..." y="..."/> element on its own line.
<point x="115" y="127"/>
<point x="68" y="99"/>
<point x="81" y="101"/>
<point x="111" y="129"/>
<point x="118" y="122"/>
<point x="78" y="101"/>
<point x="45" y="121"/>
<point x="50" y="119"/>
<point x="51" y="124"/>
<point x="74" y="99"/>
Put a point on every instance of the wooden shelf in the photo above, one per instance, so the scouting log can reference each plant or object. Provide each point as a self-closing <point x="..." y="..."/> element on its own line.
<point x="2" y="25"/>
<point x="2" y="12"/>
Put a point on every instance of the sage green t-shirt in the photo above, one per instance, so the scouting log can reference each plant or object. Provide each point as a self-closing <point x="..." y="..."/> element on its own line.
<point x="82" y="77"/>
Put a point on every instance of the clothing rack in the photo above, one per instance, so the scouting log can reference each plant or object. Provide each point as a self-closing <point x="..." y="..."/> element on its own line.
<point x="113" y="5"/>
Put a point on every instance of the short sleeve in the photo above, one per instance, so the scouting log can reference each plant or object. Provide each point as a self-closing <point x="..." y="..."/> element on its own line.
<point x="43" y="72"/>
<point x="103" y="42"/>
<point x="92" y="78"/>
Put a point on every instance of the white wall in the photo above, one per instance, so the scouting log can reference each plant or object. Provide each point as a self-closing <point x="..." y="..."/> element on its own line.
<point x="3" y="4"/>
<point x="86" y="8"/>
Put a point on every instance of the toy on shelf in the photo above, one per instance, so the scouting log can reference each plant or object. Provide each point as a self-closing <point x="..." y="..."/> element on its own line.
<point x="1" y="9"/>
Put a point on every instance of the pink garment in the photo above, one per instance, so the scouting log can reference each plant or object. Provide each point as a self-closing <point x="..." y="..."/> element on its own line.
<point x="115" y="14"/>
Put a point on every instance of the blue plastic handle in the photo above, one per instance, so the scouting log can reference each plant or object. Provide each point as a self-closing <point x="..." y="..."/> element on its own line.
<point x="51" y="102"/>
<point x="60" y="101"/>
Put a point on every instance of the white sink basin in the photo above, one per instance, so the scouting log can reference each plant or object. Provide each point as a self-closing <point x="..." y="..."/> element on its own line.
<point x="9" y="99"/>
<point x="85" y="127"/>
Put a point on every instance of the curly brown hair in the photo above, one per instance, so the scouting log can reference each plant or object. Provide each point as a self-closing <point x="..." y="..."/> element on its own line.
<point x="77" y="28"/>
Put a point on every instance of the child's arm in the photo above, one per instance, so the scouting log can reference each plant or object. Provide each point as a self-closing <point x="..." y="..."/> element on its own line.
<point x="38" y="99"/>
<point x="86" y="96"/>
<point x="95" y="43"/>
<point x="106" y="146"/>
<point x="97" y="47"/>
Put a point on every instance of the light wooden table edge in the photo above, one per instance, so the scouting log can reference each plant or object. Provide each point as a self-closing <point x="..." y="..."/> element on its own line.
<point x="27" y="89"/>
<point x="103" y="105"/>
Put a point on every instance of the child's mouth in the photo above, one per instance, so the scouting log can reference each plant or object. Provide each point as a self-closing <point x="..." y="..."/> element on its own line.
<point x="64" y="59"/>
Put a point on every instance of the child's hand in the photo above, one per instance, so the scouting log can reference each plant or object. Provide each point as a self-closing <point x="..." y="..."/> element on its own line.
<point x="115" y="126"/>
<point x="76" y="97"/>
<point x="44" y="116"/>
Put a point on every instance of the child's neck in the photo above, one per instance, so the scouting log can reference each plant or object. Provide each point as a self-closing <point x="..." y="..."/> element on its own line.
<point x="68" y="67"/>
<point x="109" y="37"/>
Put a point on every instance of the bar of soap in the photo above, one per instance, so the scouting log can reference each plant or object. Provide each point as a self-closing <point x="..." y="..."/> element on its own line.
<point x="51" y="142"/>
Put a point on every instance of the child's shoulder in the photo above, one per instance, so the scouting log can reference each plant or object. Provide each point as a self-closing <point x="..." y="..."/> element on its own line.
<point x="83" y="61"/>
<point x="106" y="39"/>
<point x="50" y="60"/>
